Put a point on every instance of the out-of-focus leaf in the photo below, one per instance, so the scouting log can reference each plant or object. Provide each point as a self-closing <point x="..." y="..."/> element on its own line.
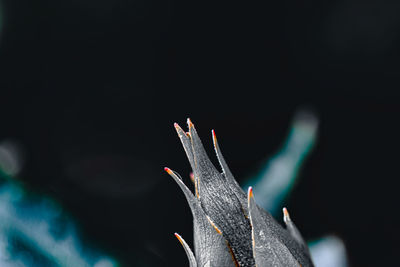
<point x="34" y="231"/>
<point x="278" y="175"/>
<point x="329" y="251"/>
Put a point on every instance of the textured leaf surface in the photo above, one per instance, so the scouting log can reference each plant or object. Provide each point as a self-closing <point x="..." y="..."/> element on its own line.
<point x="294" y="231"/>
<point x="273" y="245"/>
<point x="210" y="247"/>
<point x="220" y="202"/>
<point x="233" y="184"/>
<point x="189" y="253"/>
<point x="224" y="213"/>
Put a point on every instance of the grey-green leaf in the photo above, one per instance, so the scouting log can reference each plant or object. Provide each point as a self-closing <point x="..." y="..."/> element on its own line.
<point x="267" y="248"/>
<point x="209" y="246"/>
<point x="294" y="231"/>
<point x="273" y="245"/>
<point x="233" y="184"/>
<point x="220" y="206"/>
<point x="189" y="253"/>
<point x="220" y="202"/>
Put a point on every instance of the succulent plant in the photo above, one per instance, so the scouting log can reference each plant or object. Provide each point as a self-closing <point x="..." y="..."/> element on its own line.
<point x="230" y="229"/>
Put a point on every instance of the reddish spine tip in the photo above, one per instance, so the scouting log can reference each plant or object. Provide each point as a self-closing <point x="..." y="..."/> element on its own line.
<point x="177" y="127"/>
<point x="285" y="214"/>
<point x="250" y="193"/>
<point x="213" y="133"/>
<point x="284" y="210"/>
<point x="179" y="238"/>
<point x="168" y="170"/>
<point x="189" y="122"/>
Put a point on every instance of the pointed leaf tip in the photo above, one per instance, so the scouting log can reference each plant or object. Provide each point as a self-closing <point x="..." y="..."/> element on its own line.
<point x="189" y="253"/>
<point x="250" y="193"/>
<point x="178" y="129"/>
<point x="168" y="170"/>
<point x="214" y="135"/>
<point x="286" y="216"/>
<point x="173" y="174"/>
<point x="191" y="175"/>
<point x="190" y="123"/>
<point x="179" y="238"/>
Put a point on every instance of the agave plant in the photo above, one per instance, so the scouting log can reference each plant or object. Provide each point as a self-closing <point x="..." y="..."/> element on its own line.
<point x="230" y="229"/>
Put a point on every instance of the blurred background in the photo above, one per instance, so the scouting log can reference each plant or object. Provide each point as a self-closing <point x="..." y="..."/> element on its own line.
<point x="90" y="90"/>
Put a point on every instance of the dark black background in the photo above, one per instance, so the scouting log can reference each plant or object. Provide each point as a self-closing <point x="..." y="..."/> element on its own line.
<point x="91" y="90"/>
